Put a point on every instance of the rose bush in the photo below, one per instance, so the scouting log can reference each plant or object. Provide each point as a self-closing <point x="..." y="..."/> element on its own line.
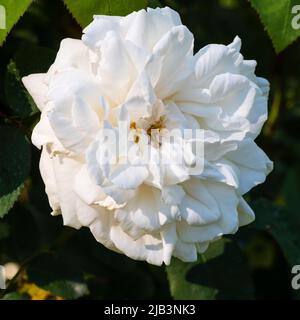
<point x="141" y="69"/>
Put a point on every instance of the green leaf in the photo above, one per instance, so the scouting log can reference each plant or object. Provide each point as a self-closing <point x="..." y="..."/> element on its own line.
<point x="154" y="4"/>
<point x="17" y="96"/>
<point x="7" y="201"/>
<point x="275" y="221"/>
<point x="277" y="18"/>
<point x="83" y="11"/>
<point x="14" y="165"/>
<point x="60" y="277"/>
<point x="13" y="10"/>
<point x="219" y="273"/>
<point x="14" y="159"/>
<point x="15" y="296"/>
<point x="4" y="230"/>
<point x="28" y="59"/>
<point x="31" y="58"/>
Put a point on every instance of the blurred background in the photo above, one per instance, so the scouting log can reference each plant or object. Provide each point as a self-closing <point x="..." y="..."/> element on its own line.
<point x="57" y="262"/>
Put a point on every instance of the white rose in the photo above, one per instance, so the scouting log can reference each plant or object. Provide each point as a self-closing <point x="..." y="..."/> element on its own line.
<point x="141" y="69"/>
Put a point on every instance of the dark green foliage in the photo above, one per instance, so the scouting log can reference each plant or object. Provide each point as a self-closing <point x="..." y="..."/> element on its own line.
<point x="220" y="273"/>
<point x="14" y="166"/>
<point x="277" y="18"/>
<point x="70" y="264"/>
<point x="83" y="11"/>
